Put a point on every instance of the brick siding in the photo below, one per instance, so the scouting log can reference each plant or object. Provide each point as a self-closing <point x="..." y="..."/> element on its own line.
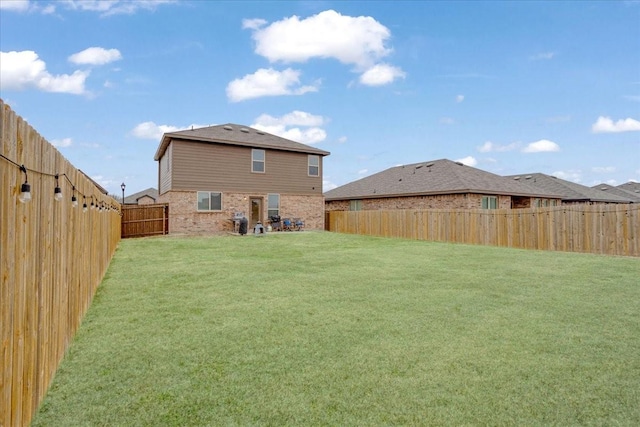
<point x="439" y="201"/>
<point x="184" y="217"/>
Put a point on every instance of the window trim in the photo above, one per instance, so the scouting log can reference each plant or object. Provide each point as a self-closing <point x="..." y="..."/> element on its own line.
<point x="210" y="193"/>
<point x="309" y="165"/>
<point x="355" y="205"/>
<point x="488" y="200"/>
<point x="254" y="161"/>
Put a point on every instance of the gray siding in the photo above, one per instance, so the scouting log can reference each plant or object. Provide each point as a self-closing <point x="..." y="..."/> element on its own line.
<point x="206" y="166"/>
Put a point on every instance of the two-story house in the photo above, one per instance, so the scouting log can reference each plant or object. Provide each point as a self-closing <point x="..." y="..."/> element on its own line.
<point x="209" y="175"/>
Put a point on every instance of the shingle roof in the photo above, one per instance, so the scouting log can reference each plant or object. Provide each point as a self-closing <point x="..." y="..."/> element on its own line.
<point x="632" y="186"/>
<point x="570" y="191"/>
<point x="433" y="177"/>
<point x="234" y="134"/>
<point x="149" y="192"/>
<point x="618" y="191"/>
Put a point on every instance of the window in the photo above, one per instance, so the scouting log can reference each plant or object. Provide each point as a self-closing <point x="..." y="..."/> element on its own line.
<point x="314" y="165"/>
<point x="489" y="202"/>
<point x="257" y="160"/>
<point x="209" y="201"/>
<point x="273" y="205"/>
<point x="355" y="205"/>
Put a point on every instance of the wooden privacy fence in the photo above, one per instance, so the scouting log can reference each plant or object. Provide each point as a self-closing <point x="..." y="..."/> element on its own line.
<point x="601" y="229"/>
<point x="52" y="258"/>
<point x="145" y="220"/>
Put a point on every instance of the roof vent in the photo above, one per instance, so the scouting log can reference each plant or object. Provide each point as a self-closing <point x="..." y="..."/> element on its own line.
<point x="259" y="132"/>
<point x="528" y="177"/>
<point x="516" y="178"/>
<point x="227" y="127"/>
<point x="603" y="188"/>
<point x="429" y="164"/>
<point x="419" y="166"/>
<point x="459" y="163"/>
<point x="245" y="130"/>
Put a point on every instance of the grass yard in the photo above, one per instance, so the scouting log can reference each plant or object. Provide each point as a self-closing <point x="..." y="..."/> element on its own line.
<point x="328" y="329"/>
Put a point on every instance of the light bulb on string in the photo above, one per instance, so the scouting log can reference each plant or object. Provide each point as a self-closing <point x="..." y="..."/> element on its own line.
<point x="25" y="189"/>
<point x="57" y="192"/>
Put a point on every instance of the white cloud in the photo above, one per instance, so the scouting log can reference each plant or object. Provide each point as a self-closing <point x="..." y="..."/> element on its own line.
<point x="95" y="56"/>
<point x="14" y="5"/>
<point x="295" y="118"/>
<point x="603" y="169"/>
<point x="469" y="161"/>
<point x="150" y="130"/>
<point x="381" y="74"/>
<point x="447" y="120"/>
<point x="350" y="40"/>
<point x="64" y="142"/>
<point x="289" y="126"/>
<point x="253" y="24"/>
<point x="542" y="56"/>
<point x="489" y="147"/>
<point x="570" y="175"/>
<point x="606" y="125"/>
<point x="328" y="185"/>
<point x="267" y="82"/>
<point x="363" y="171"/>
<point x="342" y="139"/>
<point x="459" y="98"/>
<point x="115" y="7"/>
<point x="358" y="41"/>
<point x="542" y="146"/>
<point x="24" y="70"/>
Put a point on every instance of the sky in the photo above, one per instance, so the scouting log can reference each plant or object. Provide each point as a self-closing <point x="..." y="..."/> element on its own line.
<point x="508" y="87"/>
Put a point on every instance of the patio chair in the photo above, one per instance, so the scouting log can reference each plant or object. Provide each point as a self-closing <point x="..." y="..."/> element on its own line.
<point x="299" y="224"/>
<point x="287" y="225"/>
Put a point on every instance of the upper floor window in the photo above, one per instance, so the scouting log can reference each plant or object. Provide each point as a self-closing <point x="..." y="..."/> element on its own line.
<point x="257" y="160"/>
<point x="489" y="202"/>
<point x="314" y="165"/>
<point x="209" y="201"/>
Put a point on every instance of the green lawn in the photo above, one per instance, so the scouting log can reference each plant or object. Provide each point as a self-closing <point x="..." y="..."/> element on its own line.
<point x="317" y="328"/>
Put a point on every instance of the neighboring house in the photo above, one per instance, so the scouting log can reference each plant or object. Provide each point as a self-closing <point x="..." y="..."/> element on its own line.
<point x="209" y="175"/>
<point x="439" y="184"/>
<point x="144" y="197"/>
<point x="619" y="191"/>
<point x="572" y="193"/>
<point x="632" y="186"/>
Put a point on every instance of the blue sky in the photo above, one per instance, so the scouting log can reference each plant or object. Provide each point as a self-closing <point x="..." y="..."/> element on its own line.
<point x="507" y="87"/>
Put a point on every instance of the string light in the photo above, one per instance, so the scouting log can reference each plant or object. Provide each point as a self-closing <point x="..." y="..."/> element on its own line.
<point x="25" y="194"/>
<point x="25" y="189"/>
<point x="57" y="192"/>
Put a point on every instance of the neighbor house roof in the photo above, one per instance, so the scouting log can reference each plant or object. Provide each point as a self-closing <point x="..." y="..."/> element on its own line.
<point x="234" y="134"/>
<point x="570" y="191"/>
<point x="149" y="192"/>
<point x="433" y="177"/>
<point x="618" y="191"/>
<point x="632" y="186"/>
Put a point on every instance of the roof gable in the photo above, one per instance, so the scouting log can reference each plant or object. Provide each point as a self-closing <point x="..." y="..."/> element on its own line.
<point x="570" y="191"/>
<point x="432" y="177"/>
<point x="619" y="191"/>
<point x="234" y="134"/>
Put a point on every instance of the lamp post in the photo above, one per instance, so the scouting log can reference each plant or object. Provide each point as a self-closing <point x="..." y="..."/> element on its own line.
<point x="122" y="186"/>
